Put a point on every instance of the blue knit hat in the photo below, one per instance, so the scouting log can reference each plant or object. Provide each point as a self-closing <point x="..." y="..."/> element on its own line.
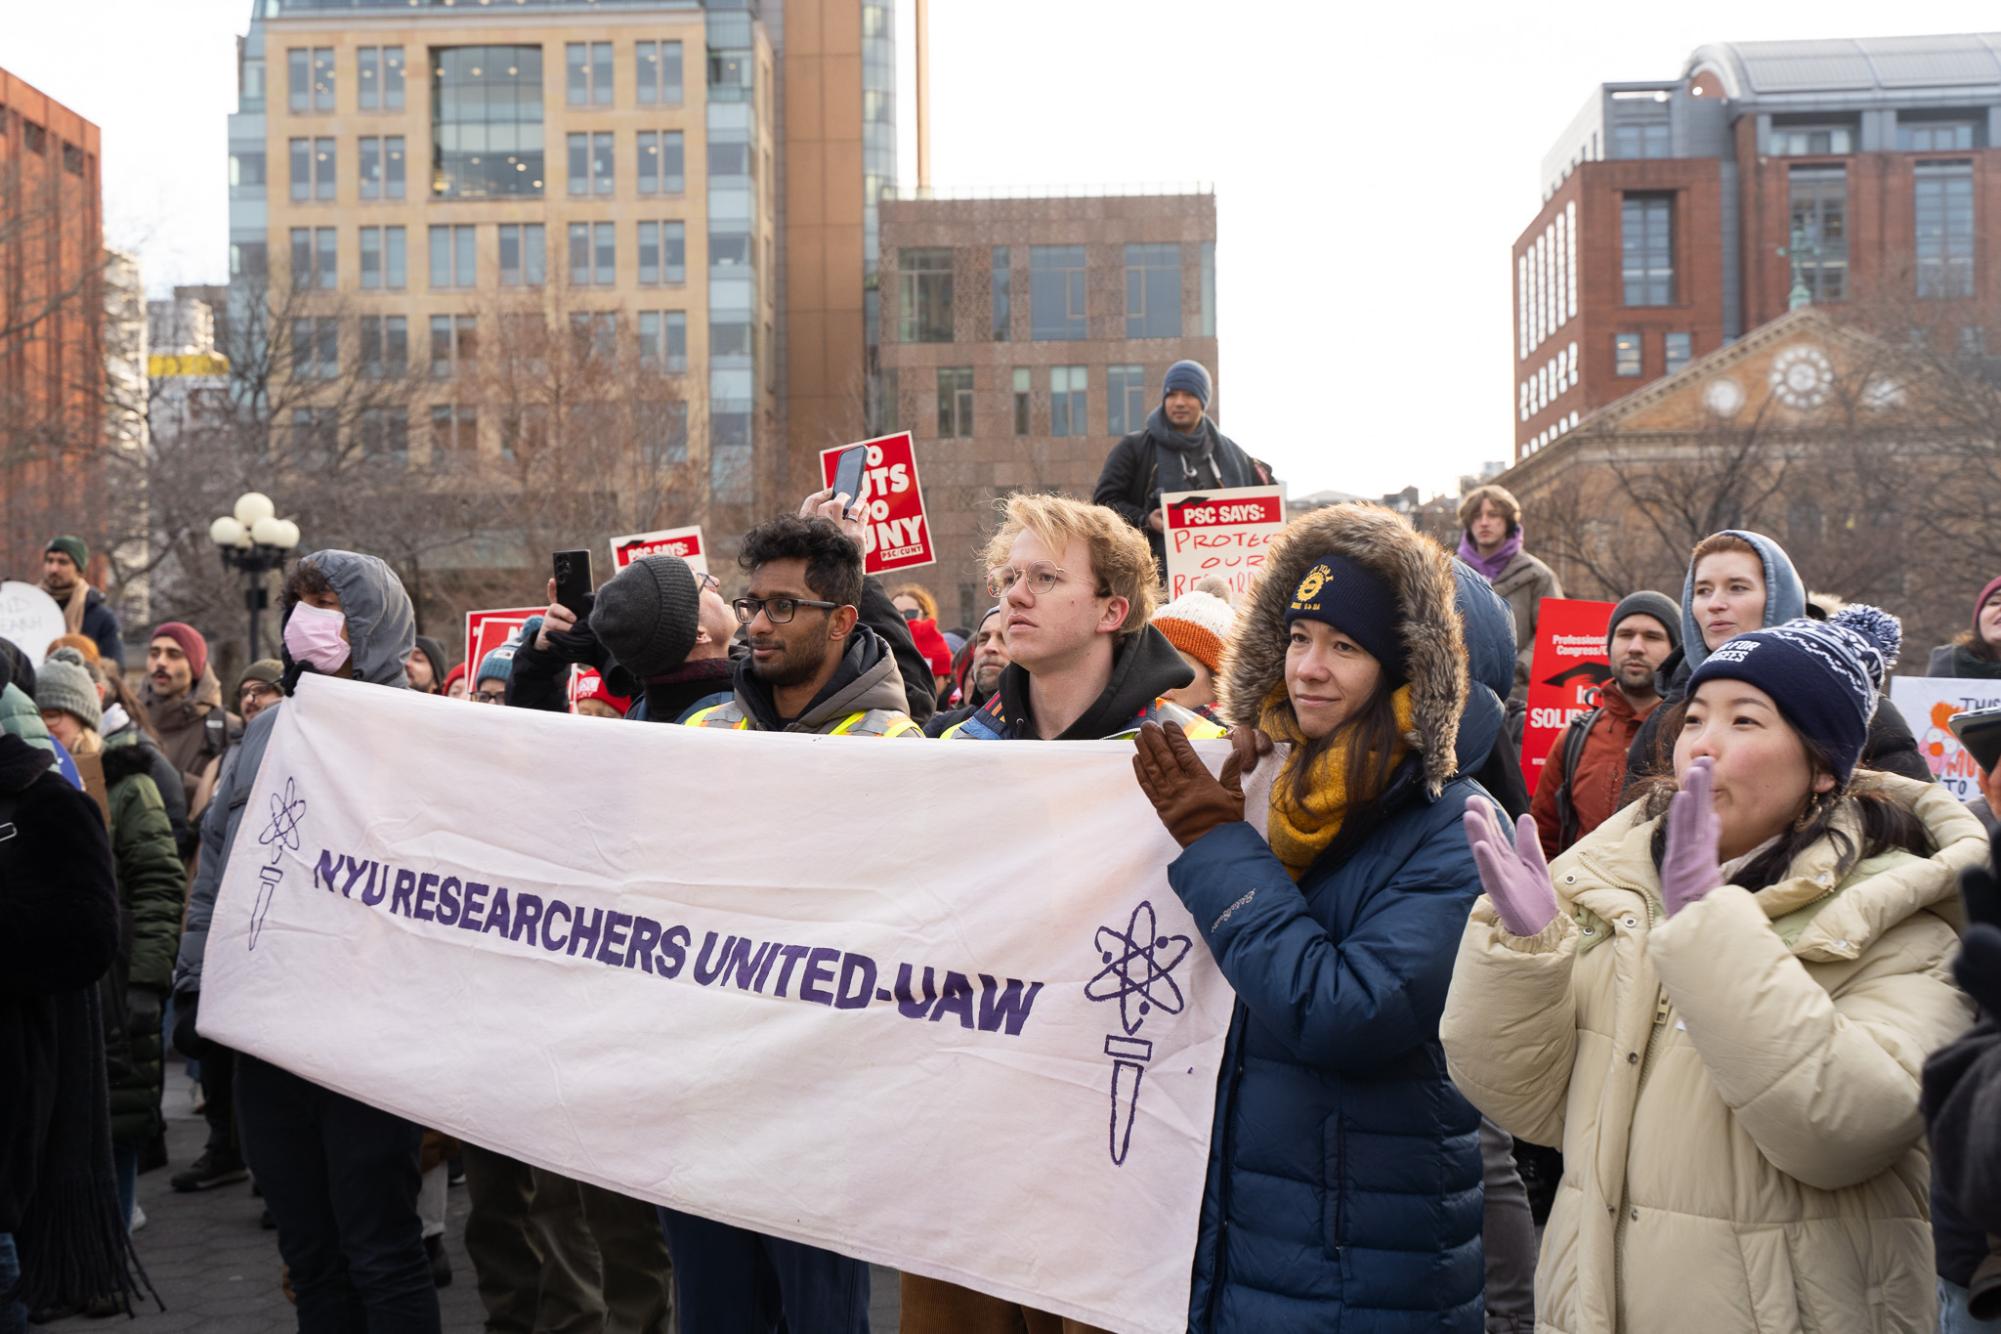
<point x="1190" y="378"/>
<point x="1358" y="602"/>
<point x="1822" y="675"/>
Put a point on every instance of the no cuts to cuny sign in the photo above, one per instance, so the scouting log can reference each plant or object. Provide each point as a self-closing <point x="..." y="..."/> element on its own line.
<point x="896" y="535"/>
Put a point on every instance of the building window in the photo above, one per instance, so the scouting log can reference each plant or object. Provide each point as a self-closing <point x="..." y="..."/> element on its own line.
<point x="1125" y="398"/>
<point x="955" y="402"/>
<point x="1646" y="249"/>
<point x="924" y="296"/>
<point x="316" y="348"/>
<point x="587" y="74"/>
<point x="594" y="335"/>
<point x="246" y="166"/>
<point x="1641" y="140"/>
<point x="379" y="77"/>
<point x="452" y="264"/>
<point x="1626" y="355"/>
<point x="663" y="253"/>
<point x="384" y="436"/>
<point x="486" y="121"/>
<point x="384" y="260"/>
<point x="382" y="167"/>
<point x="660" y="162"/>
<point x="1068" y="410"/>
<point x="730" y="338"/>
<point x="1680" y="351"/>
<point x="249" y="259"/>
<point x="1056" y="304"/>
<point x="454" y="435"/>
<point x="1153" y="291"/>
<point x="524" y="255"/>
<point x="1819" y="229"/>
<point x="1811" y="140"/>
<point x="1024" y="389"/>
<point x="1003" y="293"/>
<point x="385" y="346"/>
<point x="1943" y="199"/>
<point x="663" y="340"/>
<point x="665" y="434"/>
<point x="1972" y="343"/>
<point x="454" y="343"/>
<point x="728" y="247"/>
<point x="658" y="67"/>
<point x="309" y="78"/>
<point x="313" y="165"/>
<point x="593" y="254"/>
<point x="314" y="257"/>
<point x="315" y="438"/>
<point x="1208" y="289"/>
<point x="592" y="170"/>
<point x="1925" y="135"/>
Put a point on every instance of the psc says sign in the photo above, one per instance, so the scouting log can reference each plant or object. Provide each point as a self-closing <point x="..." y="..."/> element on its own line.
<point x="895" y="533"/>
<point x="683" y="542"/>
<point x="1222" y="533"/>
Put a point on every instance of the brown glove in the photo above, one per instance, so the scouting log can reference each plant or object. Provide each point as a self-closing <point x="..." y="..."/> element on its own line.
<point x="1189" y="800"/>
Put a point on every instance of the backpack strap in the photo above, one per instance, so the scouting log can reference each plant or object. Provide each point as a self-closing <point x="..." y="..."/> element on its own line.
<point x="1572" y="741"/>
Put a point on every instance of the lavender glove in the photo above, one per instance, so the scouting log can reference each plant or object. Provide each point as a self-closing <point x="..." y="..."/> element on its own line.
<point x="1515" y="878"/>
<point x="1690" y="869"/>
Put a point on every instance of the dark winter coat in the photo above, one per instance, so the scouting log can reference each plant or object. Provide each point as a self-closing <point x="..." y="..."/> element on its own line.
<point x="1344" y="1169"/>
<point x="166" y="780"/>
<point x="59" y="933"/>
<point x="195" y="729"/>
<point x="100" y="623"/>
<point x="1962" y="1104"/>
<point x="150" y="880"/>
<point x="1141" y="466"/>
<point x="1489" y="627"/>
<point x="1960" y="661"/>
<point x="864" y="697"/>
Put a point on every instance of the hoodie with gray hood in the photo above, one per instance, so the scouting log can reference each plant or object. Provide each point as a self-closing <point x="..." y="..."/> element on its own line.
<point x="382" y="631"/>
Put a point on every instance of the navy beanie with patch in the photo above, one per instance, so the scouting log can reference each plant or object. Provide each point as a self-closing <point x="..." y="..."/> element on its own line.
<point x="1190" y="377"/>
<point x="1358" y="602"/>
<point x="1821" y="674"/>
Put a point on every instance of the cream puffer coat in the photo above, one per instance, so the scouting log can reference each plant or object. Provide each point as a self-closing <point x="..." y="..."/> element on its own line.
<point x="1736" y="1090"/>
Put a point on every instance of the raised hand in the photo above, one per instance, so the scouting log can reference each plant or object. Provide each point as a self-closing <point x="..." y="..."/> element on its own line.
<point x="1690" y="868"/>
<point x="1515" y="878"/>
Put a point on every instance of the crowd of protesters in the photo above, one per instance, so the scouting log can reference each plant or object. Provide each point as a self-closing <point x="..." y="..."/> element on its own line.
<point x="1701" y="1034"/>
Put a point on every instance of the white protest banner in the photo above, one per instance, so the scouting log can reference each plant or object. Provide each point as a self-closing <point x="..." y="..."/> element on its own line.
<point x="683" y="542"/>
<point x="30" y="619"/>
<point x="1928" y="703"/>
<point x="1223" y="533"/>
<point x="895" y="533"/>
<point x="982" y="1049"/>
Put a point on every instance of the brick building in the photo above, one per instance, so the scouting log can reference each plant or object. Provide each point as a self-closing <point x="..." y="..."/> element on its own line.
<point x="1022" y="336"/>
<point x="52" y="312"/>
<point x="1679" y="215"/>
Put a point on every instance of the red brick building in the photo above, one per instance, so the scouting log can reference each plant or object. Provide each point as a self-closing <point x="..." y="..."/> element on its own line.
<point x="51" y="325"/>
<point x="1679" y="215"/>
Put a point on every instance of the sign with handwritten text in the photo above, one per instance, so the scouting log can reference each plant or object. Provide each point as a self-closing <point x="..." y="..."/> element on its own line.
<point x="1222" y="533"/>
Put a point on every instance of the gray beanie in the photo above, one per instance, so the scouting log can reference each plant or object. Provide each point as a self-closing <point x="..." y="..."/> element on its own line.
<point x="647" y="615"/>
<point x="65" y="683"/>
<point x="1647" y="603"/>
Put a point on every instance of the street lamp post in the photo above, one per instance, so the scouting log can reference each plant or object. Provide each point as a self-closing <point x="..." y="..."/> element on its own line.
<point x="255" y="541"/>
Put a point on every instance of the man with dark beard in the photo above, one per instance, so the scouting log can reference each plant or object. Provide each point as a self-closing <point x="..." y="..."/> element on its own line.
<point x="1179" y="449"/>
<point x="1586" y="767"/>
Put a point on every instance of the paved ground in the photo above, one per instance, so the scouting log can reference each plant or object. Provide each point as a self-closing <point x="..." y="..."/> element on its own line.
<point x="218" y="1271"/>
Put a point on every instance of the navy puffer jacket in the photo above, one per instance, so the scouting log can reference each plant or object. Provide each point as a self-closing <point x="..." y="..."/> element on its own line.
<point x="1344" y="1168"/>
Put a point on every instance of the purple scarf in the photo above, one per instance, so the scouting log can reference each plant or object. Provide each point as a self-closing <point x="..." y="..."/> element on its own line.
<point x="1491" y="566"/>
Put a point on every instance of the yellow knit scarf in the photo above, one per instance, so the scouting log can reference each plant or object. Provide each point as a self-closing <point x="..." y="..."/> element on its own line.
<point x="1300" y="831"/>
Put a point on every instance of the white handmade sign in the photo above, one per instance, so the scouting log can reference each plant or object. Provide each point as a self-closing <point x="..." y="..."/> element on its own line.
<point x="1928" y="704"/>
<point x="29" y="619"/>
<point x="981" y="1045"/>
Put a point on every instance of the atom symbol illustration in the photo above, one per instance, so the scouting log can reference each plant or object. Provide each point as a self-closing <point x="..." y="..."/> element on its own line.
<point x="286" y="812"/>
<point x="1139" y="968"/>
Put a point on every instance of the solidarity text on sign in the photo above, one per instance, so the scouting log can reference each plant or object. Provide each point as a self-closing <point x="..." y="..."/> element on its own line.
<point x="860" y="1046"/>
<point x="1222" y="533"/>
<point x="895" y="533"/>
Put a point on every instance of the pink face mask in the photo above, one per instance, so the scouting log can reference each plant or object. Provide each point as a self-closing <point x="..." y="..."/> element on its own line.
<point x="313" y="634"/>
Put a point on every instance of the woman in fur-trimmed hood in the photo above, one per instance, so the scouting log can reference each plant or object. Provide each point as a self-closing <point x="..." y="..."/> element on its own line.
<point x="1344" y="1169"/>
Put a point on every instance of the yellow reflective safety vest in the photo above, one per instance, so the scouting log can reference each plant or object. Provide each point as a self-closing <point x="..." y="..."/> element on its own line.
<point x="866" y="722"/>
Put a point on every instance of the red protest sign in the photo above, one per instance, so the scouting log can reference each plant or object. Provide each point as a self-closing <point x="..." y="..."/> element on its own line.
<point x="1570" y="666"/>
<point x="895" y="533"/>
<point x="1221" y="533"/>
<point x="683" y="542"/>
<point x="487" y="631"/>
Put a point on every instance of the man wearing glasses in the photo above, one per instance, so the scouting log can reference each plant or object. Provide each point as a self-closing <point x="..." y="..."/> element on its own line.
<point x="812" y="666"/>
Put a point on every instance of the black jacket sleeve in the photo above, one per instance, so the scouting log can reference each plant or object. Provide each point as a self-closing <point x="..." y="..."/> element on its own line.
<point x="538" y="680"/>
<point x="1121" y="486"/>
<point x="59" y="911"/>
<point x="879" y="614"/>
<point x="1890" y="745"/>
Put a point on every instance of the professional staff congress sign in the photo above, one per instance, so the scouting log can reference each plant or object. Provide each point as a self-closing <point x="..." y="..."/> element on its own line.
<point x="1223" y="533"/>
<point x="719" y="991"/>
<point x="896" y="535"/>
<point x="1569" y="668"/>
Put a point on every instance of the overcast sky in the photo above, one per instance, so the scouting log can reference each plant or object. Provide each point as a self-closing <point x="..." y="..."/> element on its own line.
<point x="1372" y="167"/>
